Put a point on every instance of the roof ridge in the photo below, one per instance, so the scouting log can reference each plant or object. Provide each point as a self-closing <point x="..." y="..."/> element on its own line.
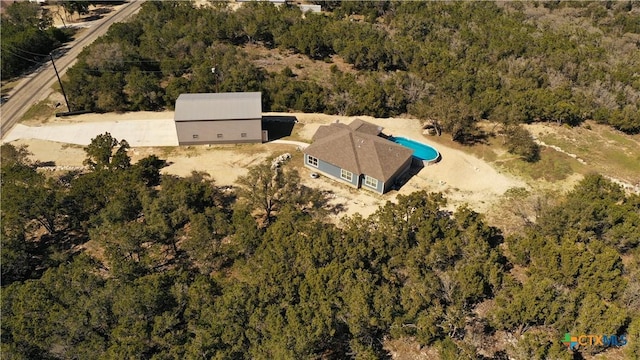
<point x="378" y="162"/>
<point x="356" y="153"/>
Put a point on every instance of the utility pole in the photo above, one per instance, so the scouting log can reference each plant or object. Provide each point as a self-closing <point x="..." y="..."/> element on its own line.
<point x="60" y="82"/>
<point x="213" y="71"/>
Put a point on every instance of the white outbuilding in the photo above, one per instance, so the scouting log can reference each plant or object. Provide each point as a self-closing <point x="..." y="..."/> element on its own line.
<point x="219" y="118"/>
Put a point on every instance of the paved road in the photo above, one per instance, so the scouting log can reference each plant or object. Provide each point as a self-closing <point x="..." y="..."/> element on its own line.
<point x="37" y="87"/>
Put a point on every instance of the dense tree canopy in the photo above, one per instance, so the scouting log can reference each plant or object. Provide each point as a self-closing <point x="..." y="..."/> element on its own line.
<point x="27" y="37"/>
<point x="455" y="62"/>
<point x="120" y="261"/>
<point x="135" y="264"/>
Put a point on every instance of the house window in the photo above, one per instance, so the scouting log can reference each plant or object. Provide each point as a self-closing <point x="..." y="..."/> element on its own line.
<point x="195" y="136"/>
<point x="219" y="136"/>
<point x="370" y="182"/>
<point x="347" y="175"/>
<point x="312" y="161"/>
<point x="243" y="135"/>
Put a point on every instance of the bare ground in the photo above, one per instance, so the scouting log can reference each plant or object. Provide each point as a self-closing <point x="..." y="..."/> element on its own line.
<point x="465" y="179"/>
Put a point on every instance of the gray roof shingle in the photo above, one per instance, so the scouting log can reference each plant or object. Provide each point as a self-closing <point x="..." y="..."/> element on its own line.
<point x="362" y="126"/>
<point x="358" y="149"/>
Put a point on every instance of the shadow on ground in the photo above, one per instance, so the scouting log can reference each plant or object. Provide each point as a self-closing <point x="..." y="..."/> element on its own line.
<point x="278" y="126"/>
<point x="416" y="166"/>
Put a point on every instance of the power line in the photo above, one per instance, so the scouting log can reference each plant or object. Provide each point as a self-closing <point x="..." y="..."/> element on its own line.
<point x="27" y="52"/>
<point x="105" y="70"/>
<point x="123" y="61"/>
<point x="98" y="71"/>
<point x="112" y="71"/>
<point x="24" y="58"/>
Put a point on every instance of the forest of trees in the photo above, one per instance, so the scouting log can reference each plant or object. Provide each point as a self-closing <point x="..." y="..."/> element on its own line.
<point x="119" y="261"/>
<point x="455" y="62"/>
<point x="27" y="38"/>
<point x="28" y="33"/>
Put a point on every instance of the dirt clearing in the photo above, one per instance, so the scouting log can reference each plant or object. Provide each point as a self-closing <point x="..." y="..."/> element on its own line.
<point x="462" y="177"/>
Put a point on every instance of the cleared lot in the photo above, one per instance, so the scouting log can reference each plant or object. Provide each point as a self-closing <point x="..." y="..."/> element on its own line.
<point x="462" y="177"/>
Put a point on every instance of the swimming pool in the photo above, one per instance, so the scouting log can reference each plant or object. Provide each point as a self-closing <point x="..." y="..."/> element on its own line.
<point x="420" y="151"/>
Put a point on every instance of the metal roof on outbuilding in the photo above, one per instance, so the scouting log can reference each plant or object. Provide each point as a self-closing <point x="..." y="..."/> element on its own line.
<point x="218" y="106"/>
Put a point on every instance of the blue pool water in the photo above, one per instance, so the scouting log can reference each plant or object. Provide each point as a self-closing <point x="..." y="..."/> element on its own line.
<point x="421" y="151"/>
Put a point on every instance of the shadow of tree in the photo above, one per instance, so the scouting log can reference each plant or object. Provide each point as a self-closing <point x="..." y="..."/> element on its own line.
<point x="474" y="138"/>
<point x="332" y="209"/>
<point x="45" y="163"/>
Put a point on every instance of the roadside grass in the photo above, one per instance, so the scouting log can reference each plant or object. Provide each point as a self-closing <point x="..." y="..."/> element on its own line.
<point x="41" y="111"/>
<point x="7" y="86"/>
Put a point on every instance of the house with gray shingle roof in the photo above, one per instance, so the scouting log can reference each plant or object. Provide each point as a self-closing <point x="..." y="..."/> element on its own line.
<point x="357" y="155"/>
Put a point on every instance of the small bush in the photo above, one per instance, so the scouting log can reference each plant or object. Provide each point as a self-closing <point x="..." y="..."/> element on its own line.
<point x="520" y="142"/>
